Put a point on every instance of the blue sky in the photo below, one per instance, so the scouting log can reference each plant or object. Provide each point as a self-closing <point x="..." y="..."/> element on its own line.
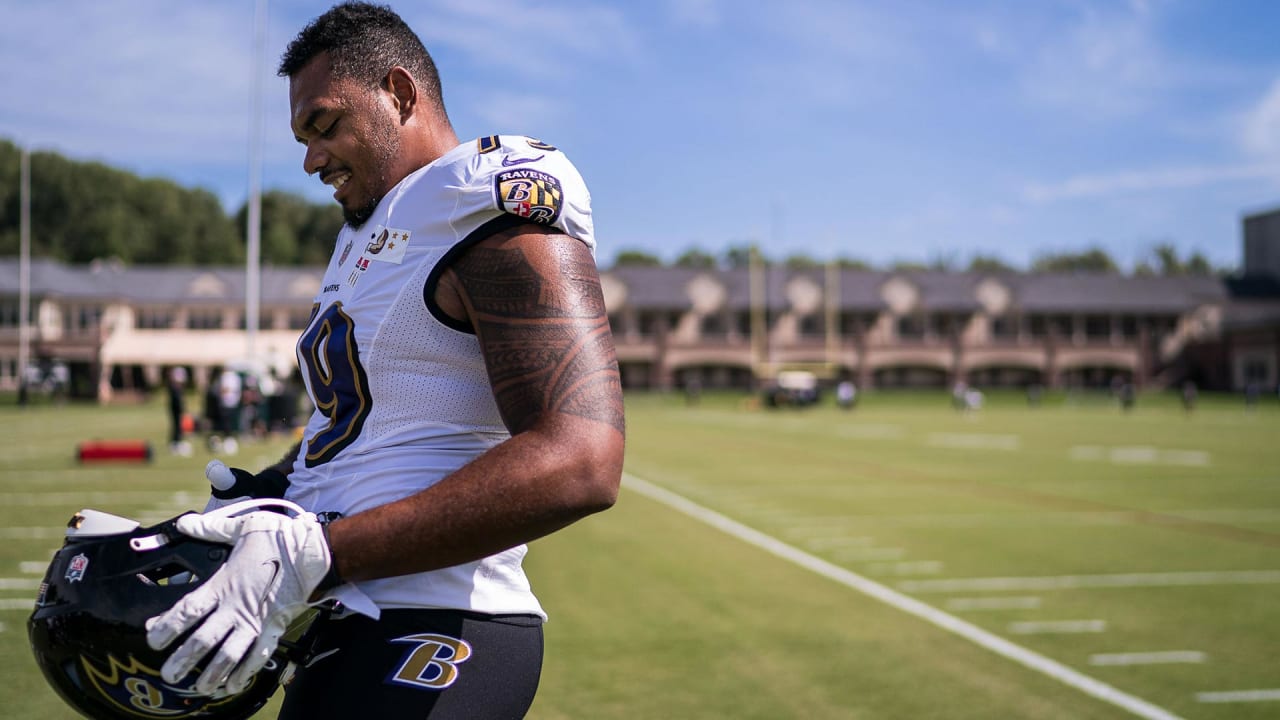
<point x="882" y="131"/>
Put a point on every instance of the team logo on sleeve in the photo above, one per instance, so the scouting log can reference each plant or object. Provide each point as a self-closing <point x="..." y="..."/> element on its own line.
<point x="531" y="194"/>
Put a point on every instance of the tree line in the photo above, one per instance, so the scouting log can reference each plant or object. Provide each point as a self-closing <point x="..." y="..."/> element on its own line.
<point x="81" y="211"/>
<point x="1163" y="259"/>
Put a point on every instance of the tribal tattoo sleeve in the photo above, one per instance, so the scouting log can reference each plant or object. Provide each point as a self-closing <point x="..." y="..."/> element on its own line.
<point x="537" y="307"/>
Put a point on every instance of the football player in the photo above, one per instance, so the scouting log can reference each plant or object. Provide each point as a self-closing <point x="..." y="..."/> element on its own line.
<point x="467" y="401"/>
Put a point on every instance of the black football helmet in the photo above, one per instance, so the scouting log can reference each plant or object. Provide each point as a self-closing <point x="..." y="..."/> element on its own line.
<point x="88" y="632"/>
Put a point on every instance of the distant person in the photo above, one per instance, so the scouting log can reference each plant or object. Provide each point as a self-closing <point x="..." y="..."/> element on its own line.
<point x="692" y="391"/>
<point x="1252" y="392"/>
<point x="176" y="386"/>
<point x="1128" y="396"/>
<point x="230" y="388"/>
<point x="959" y="395"/>
<point x="1189" y="393"/>
<point x="213" y="423"/>
<point x="846" y="394"/>
<point x="1035" y="393"/>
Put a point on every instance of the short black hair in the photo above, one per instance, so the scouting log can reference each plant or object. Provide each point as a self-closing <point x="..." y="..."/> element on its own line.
<point x="364" y="41"/>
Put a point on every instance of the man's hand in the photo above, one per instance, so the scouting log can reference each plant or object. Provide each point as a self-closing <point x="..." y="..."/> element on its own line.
<point x="276" y="564"/>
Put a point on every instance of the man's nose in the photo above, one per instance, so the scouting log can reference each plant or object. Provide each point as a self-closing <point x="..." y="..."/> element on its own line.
<point x="315" y="159"/>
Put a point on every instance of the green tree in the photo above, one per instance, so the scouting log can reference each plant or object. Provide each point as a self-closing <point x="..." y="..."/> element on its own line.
<point x="852" y="264"/>
<point x="636" y="258"/>
<point x="800" y="261"/>
<point x="739" y="257"/>
<point x="1093" y="260"/>
<point x="695" y="258"/>
<point x="989" y="264"/>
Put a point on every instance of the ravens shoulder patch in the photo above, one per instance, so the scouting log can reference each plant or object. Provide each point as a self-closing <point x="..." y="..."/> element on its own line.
<point x="530" y="194"/>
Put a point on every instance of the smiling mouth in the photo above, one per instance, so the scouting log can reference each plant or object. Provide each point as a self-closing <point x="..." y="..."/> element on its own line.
<point x="336" y="181"/>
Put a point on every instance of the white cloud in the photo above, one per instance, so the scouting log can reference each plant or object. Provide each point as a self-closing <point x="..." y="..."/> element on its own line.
<point x="508" y="112"/>
<point x="528" y="43"/>
<point x="1104" y="65"/>
<point x="1260" y="130"/>
<point x="1101" y="185"/>
<point x="136" y="81"/>
<point x="694" y="13"/>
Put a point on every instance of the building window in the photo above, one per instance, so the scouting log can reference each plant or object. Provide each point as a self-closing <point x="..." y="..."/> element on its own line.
<point x="1097" y="327"/>
<point x="1039" y="327"/>
<point x="1129" y="327"/>
<point x="154" y="319"/>
<point x="204" y="319"/>
<point x="265" y="321"/>
<point x="812" y="326"/>
<point x="299" y="319"/>
<point x="88" y="317"/>
<point x="9" y="313"/>
<point x="911" y="327"/>
<point x="1004" y="327"/>
<point x="651" y="324"/>
<point x="714" y="326"/>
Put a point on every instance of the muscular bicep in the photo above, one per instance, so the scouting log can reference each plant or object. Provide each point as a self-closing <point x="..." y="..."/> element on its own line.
<point x="535" y="302"/>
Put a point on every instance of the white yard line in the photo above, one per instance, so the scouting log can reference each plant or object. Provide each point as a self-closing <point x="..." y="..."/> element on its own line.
<point x="1057" y="627"/>
<point x="1139" y="455"/>
<point x="73" y="501"/>
<point x="1235" y="696"/>
<point x="869" y="554"/>
<point x="1021" y="602"/>
<point x="973" y="441"/>
<point x="19" y="584"/>
<point x="33" y="533"/>
<point x="870" y="432"/>
<point x="905" y="603"/>
<point x="910" y="567"/>
<point x="1163" y="657"/>
<point x="1064" y="582"/>
<point x="27" y="604"/>
<point x="827" y="543"/>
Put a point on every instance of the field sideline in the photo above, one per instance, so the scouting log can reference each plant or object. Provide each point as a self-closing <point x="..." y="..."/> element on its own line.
<point x="1137" y="551"/>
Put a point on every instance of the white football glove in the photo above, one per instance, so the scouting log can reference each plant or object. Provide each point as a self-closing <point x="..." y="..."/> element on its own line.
<point x="277" y="562"/>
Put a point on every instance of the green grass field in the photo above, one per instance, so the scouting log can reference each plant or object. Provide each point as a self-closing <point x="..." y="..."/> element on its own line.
<point x="1139" y="552"/>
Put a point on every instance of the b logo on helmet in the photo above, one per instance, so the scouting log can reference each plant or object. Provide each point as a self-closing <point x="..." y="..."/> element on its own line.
<point x="138" y="689"/>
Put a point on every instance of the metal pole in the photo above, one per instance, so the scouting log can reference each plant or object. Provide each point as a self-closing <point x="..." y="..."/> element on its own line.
<point x="24" y="272"/>
<point x="833" y="314"/>
<point x="252" y="275"/>
<point x="759" y="324"/>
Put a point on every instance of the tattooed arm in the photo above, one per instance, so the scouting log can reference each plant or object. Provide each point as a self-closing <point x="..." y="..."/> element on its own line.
<point x="534" y="301"/>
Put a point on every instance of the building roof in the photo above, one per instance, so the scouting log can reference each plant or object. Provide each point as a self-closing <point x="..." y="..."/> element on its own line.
<point x="154" y="284"/>
<point x="669" y="288"/>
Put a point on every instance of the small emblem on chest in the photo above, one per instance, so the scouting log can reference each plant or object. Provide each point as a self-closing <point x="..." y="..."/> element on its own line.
<point x="387" y="245"/>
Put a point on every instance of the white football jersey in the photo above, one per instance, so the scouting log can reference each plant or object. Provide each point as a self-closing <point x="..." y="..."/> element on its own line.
<point x="401" y="392"/>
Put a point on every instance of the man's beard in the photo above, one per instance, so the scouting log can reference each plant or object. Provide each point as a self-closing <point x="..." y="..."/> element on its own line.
<point x="355" y="217"/>
<point x="385" y="146"/>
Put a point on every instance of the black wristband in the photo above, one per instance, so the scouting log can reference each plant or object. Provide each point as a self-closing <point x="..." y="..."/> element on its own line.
<point x="331" y="579"/>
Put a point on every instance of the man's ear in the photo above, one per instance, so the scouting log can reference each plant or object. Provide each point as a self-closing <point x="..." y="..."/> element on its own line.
<point x="403" y="90"/>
